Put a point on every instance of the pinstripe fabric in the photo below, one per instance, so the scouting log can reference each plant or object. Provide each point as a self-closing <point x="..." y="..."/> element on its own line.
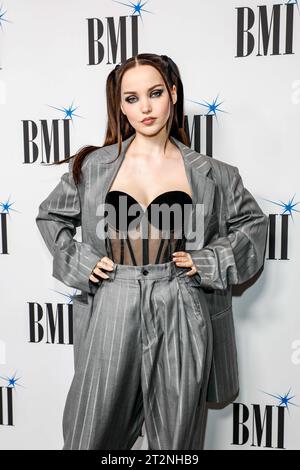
<point x="238" y="255"/>
<point x="58" y="217"/>
<point x="133" y="362"/>
<point x="231" y="251"/>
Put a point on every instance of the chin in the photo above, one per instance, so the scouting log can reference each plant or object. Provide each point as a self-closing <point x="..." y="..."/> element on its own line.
<point x="151" y="130"/>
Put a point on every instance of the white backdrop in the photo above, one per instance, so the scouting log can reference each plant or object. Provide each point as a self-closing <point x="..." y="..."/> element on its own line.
<point x="45" y="67"/>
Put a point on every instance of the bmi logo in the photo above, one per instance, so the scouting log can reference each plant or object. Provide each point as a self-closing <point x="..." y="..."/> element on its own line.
<point x="261" y="425"/>
<point x="6" y="400"/>
<point x="5" y="208"/>
<point x="51" y="324"/>
<point x="47" y="140"/>
<point x="266" y="30"/>
<point x="107" y="38"/>
<point x="278" y="229"/>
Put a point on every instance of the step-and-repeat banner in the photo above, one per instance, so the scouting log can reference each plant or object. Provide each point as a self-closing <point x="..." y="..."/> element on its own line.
<point x="240" y="66"/>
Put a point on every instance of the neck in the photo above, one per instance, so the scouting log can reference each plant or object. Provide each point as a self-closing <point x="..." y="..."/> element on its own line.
<point x="154" y="145"/>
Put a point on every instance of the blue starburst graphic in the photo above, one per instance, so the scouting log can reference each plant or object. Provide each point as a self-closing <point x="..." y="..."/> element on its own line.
<point x="284" y="400"/>
<point x="12" y="381"/>
<point x="69" y="296"/>
<point x="6" y="206"/>
<point x="2" y="19"/>
<point x="137" y="8"/>
<point x="293" y="2"/>
<point x="69" y="112"/>
<point x="288" y="207"/>
<point x="213" y="107"/>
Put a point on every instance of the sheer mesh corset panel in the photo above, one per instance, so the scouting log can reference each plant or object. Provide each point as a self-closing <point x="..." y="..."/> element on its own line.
<point x="136" y="236"/>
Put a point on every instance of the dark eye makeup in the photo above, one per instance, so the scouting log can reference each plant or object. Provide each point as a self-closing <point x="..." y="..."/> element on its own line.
<point x="158" y="93"/>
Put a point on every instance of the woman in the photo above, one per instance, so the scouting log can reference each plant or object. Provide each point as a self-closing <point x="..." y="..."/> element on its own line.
<point x="153" y="329"/>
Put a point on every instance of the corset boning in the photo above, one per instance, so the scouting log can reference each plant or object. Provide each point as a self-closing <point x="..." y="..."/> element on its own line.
<point x="139" y="236"/>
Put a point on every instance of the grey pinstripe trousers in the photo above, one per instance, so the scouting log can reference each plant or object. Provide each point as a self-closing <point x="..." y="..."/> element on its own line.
<point x="142" y="351"/>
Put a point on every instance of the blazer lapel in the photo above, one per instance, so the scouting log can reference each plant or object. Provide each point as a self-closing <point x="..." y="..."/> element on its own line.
<point x="197" y="168"/>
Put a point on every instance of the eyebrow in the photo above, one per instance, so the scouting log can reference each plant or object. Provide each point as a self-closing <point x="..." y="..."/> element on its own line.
<point x="129" y="92"/>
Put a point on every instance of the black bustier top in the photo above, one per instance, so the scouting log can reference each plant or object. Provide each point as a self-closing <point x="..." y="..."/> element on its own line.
<point x="136" y="236"/>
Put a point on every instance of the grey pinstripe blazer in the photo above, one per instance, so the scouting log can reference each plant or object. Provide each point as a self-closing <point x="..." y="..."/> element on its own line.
<point x="231" y="252"/>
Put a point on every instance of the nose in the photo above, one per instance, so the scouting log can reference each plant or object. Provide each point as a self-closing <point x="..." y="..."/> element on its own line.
<point x="145" y="105"/>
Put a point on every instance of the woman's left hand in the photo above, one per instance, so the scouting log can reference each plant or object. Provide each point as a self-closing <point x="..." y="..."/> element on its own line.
<point x="184" y="259"/>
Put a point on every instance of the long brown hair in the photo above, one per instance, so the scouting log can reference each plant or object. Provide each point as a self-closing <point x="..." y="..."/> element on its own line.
<point x="118" y="127"/>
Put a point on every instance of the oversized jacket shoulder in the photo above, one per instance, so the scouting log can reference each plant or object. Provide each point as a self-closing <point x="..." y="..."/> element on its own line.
<point x="236" y="238"/>
<point x="59" y="215"/>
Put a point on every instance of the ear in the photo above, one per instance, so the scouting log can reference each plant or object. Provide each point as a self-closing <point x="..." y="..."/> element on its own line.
<point x="174" y="94"/>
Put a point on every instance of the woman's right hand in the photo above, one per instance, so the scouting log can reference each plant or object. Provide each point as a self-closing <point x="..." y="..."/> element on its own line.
<point x="104" y="263"/>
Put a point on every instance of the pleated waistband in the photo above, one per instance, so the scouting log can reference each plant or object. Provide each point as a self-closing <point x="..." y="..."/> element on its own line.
<point x="146" y="271"/>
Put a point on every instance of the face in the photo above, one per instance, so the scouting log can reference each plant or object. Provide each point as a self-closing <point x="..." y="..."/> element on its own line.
<point x="144" y="94"/>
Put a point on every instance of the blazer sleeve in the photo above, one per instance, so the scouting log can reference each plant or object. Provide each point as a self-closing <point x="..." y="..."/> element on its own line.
<point x="235" y="258"/>
<point x="58" y="217"/>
